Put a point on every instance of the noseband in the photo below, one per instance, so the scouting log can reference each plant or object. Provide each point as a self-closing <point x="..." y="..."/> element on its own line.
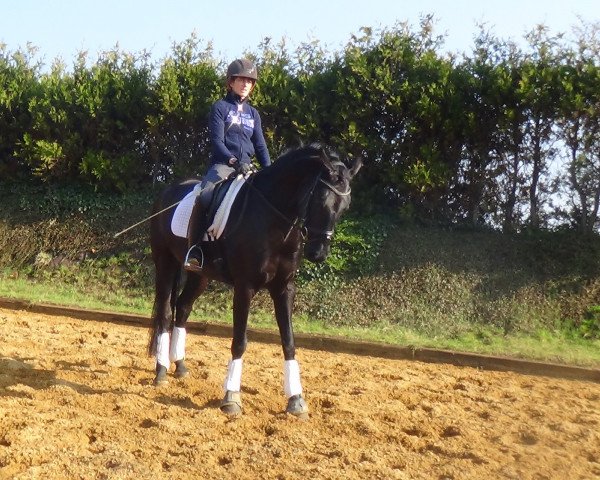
<point x="335" y="190"/>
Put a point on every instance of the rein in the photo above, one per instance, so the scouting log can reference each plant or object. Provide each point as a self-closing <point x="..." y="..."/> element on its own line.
<point x="264" y="199"/>
<point x="298" y="221"/>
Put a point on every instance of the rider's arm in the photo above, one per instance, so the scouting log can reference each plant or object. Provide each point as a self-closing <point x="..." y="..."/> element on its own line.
<point x="216" y="131"/>
<point x="258" y="139"/>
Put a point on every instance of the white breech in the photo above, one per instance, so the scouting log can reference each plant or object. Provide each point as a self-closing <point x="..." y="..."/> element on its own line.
<point x="162" y="350"/>
<point x="233" y="380"/>
<point x="177" y="350"/>
<point x="291" y="378"/>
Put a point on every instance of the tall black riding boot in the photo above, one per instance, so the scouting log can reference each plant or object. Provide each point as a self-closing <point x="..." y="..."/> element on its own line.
<point x="194" y="260"/>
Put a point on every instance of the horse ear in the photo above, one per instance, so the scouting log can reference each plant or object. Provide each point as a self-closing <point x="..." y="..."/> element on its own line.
<point x="357" y="163"/>
<point x="331" y="172"/>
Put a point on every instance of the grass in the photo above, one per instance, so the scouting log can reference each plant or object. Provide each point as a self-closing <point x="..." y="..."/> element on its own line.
<point x="68" y="295"/>
<point x="545" y="345"/>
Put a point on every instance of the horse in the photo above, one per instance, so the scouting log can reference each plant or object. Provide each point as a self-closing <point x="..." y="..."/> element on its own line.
<point x="281" y="214"/>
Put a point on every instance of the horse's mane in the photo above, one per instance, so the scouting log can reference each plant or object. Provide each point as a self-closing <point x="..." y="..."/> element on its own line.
<point x="293" y="168"/>
<point x="314" y="151"/>
<point x="293" y="155"/>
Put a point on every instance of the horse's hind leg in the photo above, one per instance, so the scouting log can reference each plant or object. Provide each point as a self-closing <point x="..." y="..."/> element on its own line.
<point x="194" y="286"/>
<point x="166" y="277"/>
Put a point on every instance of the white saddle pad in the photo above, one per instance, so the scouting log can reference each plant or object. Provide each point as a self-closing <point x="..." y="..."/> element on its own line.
<point x="183" y="212"/>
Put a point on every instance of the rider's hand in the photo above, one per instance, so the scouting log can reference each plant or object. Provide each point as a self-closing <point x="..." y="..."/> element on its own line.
<point x="244" y="168"/>
<point x="240" y="167"/>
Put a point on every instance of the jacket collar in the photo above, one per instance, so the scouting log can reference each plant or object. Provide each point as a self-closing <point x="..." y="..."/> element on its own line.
<point x="235" y="98"/>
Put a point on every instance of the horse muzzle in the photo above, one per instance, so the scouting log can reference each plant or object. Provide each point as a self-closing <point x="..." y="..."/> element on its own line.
<point x="316" y="251"/>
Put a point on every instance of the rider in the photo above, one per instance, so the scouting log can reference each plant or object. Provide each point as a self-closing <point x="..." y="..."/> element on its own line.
<point x="236" y="135"/>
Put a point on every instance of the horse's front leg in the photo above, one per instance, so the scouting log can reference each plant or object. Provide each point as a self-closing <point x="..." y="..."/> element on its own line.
<point x="232" y="402"/>
<point x="283" y="300"/>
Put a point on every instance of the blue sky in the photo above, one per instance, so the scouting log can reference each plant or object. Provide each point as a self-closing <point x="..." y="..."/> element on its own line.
<point x="61" y="28"/>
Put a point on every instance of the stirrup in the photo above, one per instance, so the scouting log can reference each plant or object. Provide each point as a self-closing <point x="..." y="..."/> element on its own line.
<point x="192" y="264"/>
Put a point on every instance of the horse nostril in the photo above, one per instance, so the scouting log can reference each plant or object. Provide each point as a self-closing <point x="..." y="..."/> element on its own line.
<point x="316" y="253"/>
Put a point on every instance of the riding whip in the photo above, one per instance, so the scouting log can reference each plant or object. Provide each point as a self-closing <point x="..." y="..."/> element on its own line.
<point x="162" y="211"/>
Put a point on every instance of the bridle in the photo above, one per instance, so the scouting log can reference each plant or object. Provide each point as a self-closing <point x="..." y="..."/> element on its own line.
<point x="335" y="190"/>
<point x="300" y="221"/>
<point x="327" y="234"/>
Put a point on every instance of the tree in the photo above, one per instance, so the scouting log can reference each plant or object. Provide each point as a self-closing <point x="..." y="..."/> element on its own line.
<point x="483" y="80"/>
<point x="580" y="127"/>
<point x="176" y="131"/>
<point x="42" y="147"/>
<point x="540" y="90"/>
<point x="111" y="101"/>
<point x="19" y="74"/>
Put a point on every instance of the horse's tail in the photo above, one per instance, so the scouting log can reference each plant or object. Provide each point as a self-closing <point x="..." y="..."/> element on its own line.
<point x="174" y="295"/>
<point x="153" y="332"/>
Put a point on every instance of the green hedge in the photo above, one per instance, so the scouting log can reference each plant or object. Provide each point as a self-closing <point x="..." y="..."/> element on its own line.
<point x="446" y="139"/>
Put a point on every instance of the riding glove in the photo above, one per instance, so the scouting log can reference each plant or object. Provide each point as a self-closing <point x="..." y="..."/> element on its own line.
<point x="242" y="168"/>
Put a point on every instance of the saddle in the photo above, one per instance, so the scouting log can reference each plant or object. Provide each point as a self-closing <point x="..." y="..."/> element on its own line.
<point x="218" y="206"/>
<point x="219" y="200"/>
<point x="214" y="199"/>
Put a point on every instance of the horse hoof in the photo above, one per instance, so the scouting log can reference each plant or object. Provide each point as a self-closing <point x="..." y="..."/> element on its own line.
<point x="161" y="376"/>
<point x="180" y="369"/>
<point x="297" y="407"/>
<point x="231" y="404"/>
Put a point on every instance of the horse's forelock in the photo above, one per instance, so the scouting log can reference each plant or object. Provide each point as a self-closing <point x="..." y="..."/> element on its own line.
<point x="337" y="170"/>
<point x="340" y="173"/>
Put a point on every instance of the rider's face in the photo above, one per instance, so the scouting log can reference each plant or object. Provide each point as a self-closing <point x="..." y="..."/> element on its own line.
<point x="242" y="86"/>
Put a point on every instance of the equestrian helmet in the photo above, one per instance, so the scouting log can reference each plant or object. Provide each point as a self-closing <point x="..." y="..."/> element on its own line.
<point x="242" y="68"/>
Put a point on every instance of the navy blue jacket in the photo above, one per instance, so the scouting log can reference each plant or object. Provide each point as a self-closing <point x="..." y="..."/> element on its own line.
<point x="235" y="130"/>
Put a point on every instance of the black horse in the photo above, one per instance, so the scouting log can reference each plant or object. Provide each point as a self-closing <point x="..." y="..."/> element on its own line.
<point x="298" y="199"/>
